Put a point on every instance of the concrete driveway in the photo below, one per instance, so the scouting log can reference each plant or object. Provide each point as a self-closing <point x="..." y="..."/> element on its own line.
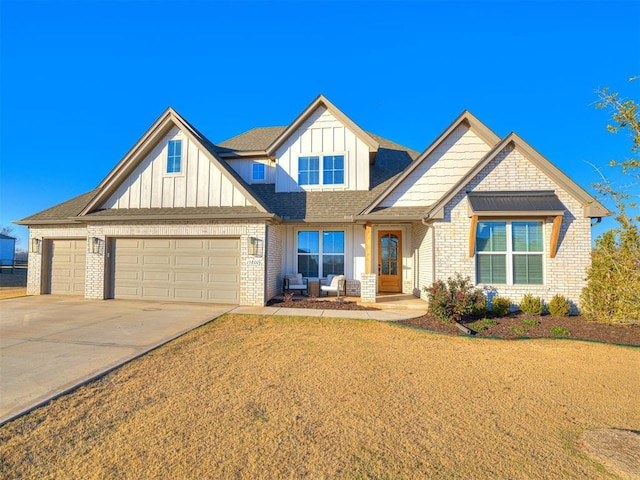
<point x="50" y="344"/>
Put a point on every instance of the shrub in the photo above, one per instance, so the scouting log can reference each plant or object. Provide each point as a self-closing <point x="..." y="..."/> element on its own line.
<point x="560" y="331"/>
<point x="456" y="297"/>
<point x="559" y="306"/>
<point x="500" y="306"/>
<point x="532" y="305"/>
<point x="530" y="322"/>
<point x="612" y="293"/>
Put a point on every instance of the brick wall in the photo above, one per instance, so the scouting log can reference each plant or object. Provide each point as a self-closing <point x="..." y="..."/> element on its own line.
<point x="252" y="268"/>
<point x="368" y="287"/>
<point x="36" y="260"/>
<point x="510" y="170"/>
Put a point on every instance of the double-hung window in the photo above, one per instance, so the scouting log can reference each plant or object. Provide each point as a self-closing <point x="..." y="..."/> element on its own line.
<point x="509" y="252"/>
<point x="174" y="156"/>
<point x="328" y="168"/>
<point x="320" y="252"/>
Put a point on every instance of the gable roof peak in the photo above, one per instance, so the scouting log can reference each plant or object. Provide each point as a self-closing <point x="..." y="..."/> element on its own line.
<point x="321" y="100"/>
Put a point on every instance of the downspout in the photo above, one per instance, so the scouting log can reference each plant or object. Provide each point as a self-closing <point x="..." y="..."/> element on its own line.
<point x="598" y="220"/>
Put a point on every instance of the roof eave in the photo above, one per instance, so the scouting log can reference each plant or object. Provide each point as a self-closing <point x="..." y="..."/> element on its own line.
<point x="195" y="216"/>
<point x="243" y="153"/>
<point x="465" y="117"/>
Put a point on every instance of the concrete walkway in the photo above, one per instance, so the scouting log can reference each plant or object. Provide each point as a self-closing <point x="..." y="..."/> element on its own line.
<point x="51" y="344"/>
<point x="387" y="315"/>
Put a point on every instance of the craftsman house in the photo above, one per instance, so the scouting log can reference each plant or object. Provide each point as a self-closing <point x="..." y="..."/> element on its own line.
<point x="181" y="218"/>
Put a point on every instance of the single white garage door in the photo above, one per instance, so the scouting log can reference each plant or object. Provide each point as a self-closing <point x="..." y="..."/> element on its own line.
<point x="177" y="269"/>
<point x="67" y="267"/>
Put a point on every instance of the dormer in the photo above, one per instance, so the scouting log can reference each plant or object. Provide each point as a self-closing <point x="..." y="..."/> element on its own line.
<point x="322" y="150"/>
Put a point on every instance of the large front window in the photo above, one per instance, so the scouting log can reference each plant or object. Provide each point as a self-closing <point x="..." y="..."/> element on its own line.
<point x="320" y="253"/>
<point x="509" y="252"/>
<point x="311" y="170"/>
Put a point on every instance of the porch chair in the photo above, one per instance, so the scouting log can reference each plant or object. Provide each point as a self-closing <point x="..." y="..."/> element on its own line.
<point x="334" y="283"/>
<point x="295" y="282"/>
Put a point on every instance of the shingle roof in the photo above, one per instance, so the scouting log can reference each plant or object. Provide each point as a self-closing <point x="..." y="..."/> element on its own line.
<point x="255" y="139"/>
<point x="258" y="139"/>
<point x="6" y="237"/>
<point x="62" y="211"/>
<point x="344" y="204"/>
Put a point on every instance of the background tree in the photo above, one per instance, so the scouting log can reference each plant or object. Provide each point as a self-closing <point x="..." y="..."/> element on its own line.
<point x="613" y="280"/>
<point x="6" y="230"/>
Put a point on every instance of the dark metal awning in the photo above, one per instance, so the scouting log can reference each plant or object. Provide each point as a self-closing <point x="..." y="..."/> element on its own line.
<point x="538" y="203"/>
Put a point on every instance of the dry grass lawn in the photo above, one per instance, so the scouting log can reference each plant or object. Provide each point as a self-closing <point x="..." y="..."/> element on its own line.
<point x="293" y="397"/>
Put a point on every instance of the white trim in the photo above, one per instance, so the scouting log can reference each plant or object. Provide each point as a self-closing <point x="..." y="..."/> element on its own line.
<point x="320" y="185"/>
<point x="320" y="253"/>
<point x="184" y="147"/>
<point x="510" y="252"/>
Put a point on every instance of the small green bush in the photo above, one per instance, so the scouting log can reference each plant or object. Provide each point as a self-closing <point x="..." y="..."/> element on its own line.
<point x="500" y="306"/>
<point x="560" y="331"/>
<point x="456" y="297"/>
<point x="489" y="321"/>
<point x="532" y="305"/>
<point x="559" y="306"/>
<point x="530" y="322"/>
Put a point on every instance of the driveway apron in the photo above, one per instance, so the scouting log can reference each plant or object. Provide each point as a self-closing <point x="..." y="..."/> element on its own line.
<point x="50" y="344"/>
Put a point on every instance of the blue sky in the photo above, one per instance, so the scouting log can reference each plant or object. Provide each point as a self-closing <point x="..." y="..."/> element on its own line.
<point x="81" y="81"/>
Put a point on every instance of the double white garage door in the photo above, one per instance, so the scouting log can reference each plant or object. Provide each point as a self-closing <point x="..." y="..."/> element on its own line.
<point x="168" y="269"/>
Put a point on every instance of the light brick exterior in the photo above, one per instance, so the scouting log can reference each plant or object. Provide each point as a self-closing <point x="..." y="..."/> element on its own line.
<point x="36" y="262"/>
<point x="368" y="287"/>
<point x="253" y="288"/>
<point x="510" y="170"/>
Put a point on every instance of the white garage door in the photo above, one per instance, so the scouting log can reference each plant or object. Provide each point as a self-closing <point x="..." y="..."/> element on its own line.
<point x="178" y="269"/>
<point x="68" y="261"/>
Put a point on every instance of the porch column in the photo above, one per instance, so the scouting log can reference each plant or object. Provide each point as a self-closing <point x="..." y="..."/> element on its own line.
<point x="369" y="279"/>
<point x="367" y="247"/>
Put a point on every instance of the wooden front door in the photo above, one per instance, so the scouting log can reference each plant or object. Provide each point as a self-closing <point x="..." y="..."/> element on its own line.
<point x="390" y="261"/>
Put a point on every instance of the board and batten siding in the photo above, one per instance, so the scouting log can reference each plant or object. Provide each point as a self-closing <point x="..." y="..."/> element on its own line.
<point x="243" y="167"/>
<point x="440" y="171"/>
<point x="321" y="134"/>
<point x="200" y="184"/>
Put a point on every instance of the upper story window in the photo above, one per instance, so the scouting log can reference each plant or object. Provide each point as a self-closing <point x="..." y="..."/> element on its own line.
<point x="257" y="172"/>
<point x="333" y="169"/>
<point x="510" y="253"/>
<point x="174" y="156"/>
<point x="308" y="170"/>
<point x="330" y="170"/>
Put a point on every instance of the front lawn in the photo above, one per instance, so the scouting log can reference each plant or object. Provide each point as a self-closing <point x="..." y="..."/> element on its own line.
<point x="249" y="396"/>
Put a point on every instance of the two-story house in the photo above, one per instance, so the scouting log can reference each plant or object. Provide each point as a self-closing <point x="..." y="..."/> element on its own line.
<point x="180" y="218"/>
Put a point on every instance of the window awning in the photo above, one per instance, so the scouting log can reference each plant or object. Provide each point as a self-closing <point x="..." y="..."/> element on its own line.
<point x="521" y="203"/>
<point x="539" y="203"/>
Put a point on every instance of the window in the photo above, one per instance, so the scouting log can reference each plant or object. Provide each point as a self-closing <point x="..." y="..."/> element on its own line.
<point x="320" y="253"/>
<point x="309" y="172"/>
<point x="174" y="156"/>
<point x="257" y="172"/>
<point x="333" y="169"/>
<point x="509" y="252"/>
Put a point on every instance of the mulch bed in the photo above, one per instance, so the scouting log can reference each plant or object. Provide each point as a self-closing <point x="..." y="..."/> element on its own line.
<point x="519" y="325"/>
<point x="319" y="304"/>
